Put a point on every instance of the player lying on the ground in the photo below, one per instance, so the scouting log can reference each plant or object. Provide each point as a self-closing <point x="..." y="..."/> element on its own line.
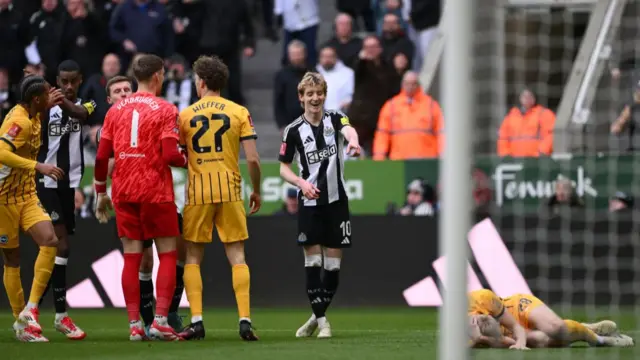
<point x="118" y="88"/>
<point x="143" y="131"/>
<point x="324" y="227"/>
<point x="212" y="130"/>
<point x="62" y="146"/>
<point x="486" y="302"/>
<point x="19" y="205"/>
<point x="539" y="322"/>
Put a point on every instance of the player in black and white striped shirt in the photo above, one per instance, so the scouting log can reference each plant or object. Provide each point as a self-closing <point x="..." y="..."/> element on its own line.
<point x="316" y="141"/>
<point x="61" y="145"/>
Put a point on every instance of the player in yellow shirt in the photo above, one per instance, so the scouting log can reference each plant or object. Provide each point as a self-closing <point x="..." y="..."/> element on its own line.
<point x="212" y="130"/>
<point x="20" y="207"/>
<point x="544" y="328"/>
<point x="486" y="303"/>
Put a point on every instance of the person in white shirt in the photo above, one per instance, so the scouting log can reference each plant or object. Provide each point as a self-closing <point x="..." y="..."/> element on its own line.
<point x="340" y="79"/>
<point x="300" y="19"/>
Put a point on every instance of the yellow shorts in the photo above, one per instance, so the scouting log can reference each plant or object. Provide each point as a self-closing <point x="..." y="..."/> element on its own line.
<point x="520" y="306"/>
<point x="23" y="216"/>
<point x="229" y="218"/>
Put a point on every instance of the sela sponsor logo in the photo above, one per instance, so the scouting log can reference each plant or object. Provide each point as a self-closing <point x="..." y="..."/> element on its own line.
<point x="314" y="157"/>
<point x="85" y="295"/>
<point x="124" y="155"/>
<point x="57" y="129"/>
<point x="509" y="186"/>
<point x="493" y="259"/>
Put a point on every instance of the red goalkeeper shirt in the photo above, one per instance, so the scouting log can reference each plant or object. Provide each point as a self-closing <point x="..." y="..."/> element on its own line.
<point x="136" y="128"/>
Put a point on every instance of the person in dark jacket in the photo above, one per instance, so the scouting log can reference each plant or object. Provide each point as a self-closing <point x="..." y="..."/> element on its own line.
<point x="14" y="38"/>
<point x="83" y="38"/>
<point x="94" y="88"/>
<point x="565" y="197"/>
<point x="286" y="104"/>
<point x="425" y="17"/>
<point x="376" y="81"/>
<point x="46" y="27"/>
<point x="357" y="8"/>
<point x="290" y="206"/>
<point x="346" y="44"/>
<point x="142" y="26"/>
<point x="227" y="29"/>
<point x="394" y="40"/>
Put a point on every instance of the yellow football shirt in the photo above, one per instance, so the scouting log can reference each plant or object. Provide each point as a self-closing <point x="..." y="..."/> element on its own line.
<point x="211" y="130"/>
<point x="485" y="302"/>
<point x="22" y="135"/>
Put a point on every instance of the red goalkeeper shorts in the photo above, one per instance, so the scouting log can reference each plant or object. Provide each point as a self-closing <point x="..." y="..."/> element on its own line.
<point x="142" y="221"/>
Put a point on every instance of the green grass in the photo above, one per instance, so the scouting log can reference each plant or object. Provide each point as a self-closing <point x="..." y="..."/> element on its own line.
<point x="359" y="334"/>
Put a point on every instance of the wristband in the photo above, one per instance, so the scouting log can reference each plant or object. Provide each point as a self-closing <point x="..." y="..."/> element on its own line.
<point x="100" y="186"/>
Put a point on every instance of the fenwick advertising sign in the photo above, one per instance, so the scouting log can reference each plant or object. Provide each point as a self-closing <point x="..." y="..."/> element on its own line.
<point x="516" y="183"/>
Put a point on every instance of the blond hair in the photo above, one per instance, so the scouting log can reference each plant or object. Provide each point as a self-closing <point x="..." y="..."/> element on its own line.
<point x="489" y="326"/>
<point x="312" y="79"/>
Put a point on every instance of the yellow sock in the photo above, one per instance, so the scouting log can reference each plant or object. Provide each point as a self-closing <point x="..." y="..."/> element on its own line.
<point x="42" y="272"/>
<point x="193" y="287"/>
<point x="578" y="332"/>
<point x="241" y="284"/>
<point x="13" y="286"/>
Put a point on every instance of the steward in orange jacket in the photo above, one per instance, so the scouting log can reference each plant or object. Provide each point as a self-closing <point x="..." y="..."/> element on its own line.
<point x="527" y="131"/>
<point x="410" y="125"/>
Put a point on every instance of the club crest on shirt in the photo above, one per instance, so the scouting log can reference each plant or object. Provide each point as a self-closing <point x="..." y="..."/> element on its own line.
<point x="4" y="239"/>
<point x="54" y="216"/>
<point x="328" y="131"/>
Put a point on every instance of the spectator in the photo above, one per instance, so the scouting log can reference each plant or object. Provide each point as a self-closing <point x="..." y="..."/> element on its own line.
<point x="358" y="8"/>
<point x="376" y="82"/>
<point x="46" y="29"/>
<point x="7" y="100"/>
<point x="27" y="7"/>
<point x="416" y="203"/>
<point x="141" y="26"/>
<point x="223" y="23"/>
<point x="383" y="8"/>
<point x="14" y="39"/>
<point x="347" y="46"/>
<point x="621" y="202"/>
<point x="629" y="116"/>
<point x="564" y="197"/>
<point x="527" y="131"/>
<point x="410" y="125"/>
<point x="179" y="88"/>
<point x="187" y="24"/>
<point x="83" y="38"/>
<point x="267" y="18"/>
<point x="300" y="19"/>
<point x="94" y="88"/>
<point x="290" y="206"/>
<point x="394" y="40"/>
<point x="285" y="91"/>
<point x="401" y="64"/>
<point x="340" y="80"/>
<point x="425" y="17"/>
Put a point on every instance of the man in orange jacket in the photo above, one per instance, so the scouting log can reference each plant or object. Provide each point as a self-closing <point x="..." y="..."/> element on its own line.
<point x="527" y="131"/>
<point x="410" y="124"/>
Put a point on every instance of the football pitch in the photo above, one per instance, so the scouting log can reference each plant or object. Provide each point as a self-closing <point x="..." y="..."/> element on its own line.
<point x="359" y="334"/>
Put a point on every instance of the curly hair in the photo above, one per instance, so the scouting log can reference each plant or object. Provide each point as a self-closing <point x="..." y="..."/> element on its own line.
<point x="212" y="71"/>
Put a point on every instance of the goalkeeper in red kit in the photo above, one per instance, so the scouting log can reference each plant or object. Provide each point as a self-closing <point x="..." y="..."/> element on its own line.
<point x="141" y="133"/>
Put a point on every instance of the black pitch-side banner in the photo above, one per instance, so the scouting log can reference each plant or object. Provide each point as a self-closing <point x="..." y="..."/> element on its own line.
<point x="570" y="258"/>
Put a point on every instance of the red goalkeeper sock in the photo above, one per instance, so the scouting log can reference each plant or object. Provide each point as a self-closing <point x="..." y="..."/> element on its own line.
<point x="166" y="281"/>
<point x="131" y="285"/>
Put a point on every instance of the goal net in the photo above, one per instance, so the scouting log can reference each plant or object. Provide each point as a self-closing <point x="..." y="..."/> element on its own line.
<point x="576" y="255"/>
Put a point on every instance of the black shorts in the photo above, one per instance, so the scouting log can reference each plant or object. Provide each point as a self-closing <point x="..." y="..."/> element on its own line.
<point x="148" y="243"/>
<point x="60" y="203"/>
<point x="326" y="225"/>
